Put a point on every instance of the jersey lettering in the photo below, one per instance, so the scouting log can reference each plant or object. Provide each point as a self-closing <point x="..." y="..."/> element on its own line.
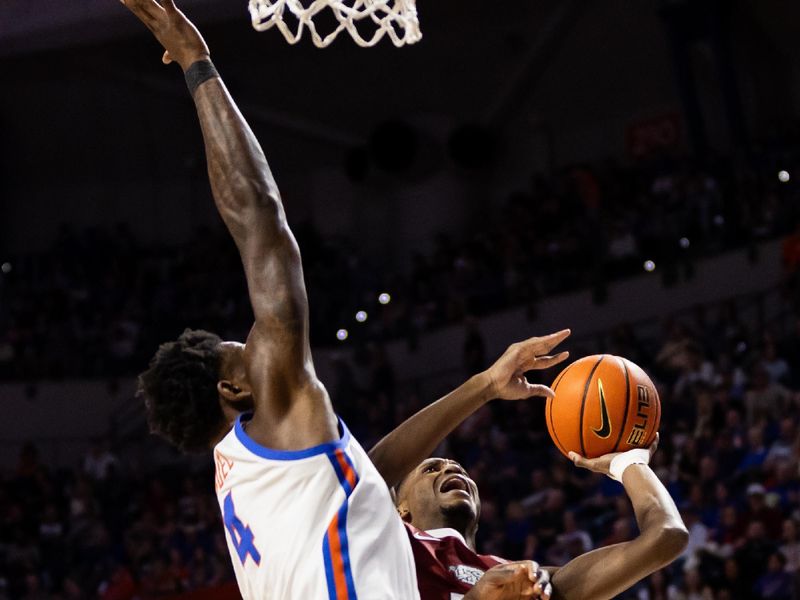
<point x="241" y="535"/>
<point x="223" y="467"/>
<point x="466" y="574"/>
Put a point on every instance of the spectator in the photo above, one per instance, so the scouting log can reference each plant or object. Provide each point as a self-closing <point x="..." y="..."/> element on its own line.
<point x="657" y="588"/>
<point x="765" y="399"/>
<point x="782" y="449"/>
<point x="758" y="512"/>
<point x="99" y="462"/>
<point x="753" y="554"/>
<point x="775" y="366"/>
<point x="756" y="452"/>
<point x="790" y="548"/>
<point x="776" y="584"/>
<point x="693" y="588"/>
<point x="732" y="581"/>
<point x="698" y="538"/>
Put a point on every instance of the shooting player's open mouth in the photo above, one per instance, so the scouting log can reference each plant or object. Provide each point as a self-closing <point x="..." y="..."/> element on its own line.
<point x="455" y="483"/>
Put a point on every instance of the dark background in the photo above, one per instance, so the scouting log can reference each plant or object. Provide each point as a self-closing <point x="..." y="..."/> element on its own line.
<point x="510" y="174"/>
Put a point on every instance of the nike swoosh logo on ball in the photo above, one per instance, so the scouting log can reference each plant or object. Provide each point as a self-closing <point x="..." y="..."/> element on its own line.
<point x="605" y="426"/>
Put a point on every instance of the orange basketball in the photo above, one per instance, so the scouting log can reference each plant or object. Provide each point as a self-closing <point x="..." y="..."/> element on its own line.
<point x="603" y="404"/>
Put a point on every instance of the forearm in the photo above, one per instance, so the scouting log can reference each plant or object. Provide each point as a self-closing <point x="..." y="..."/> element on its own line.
<point x="652" y="504"/>
<point x="606" y="572"/>
<point x="414" y="440"/>
<point x="241" y="181"/>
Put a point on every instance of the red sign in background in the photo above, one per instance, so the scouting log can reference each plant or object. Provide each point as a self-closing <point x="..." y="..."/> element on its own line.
<point x="651" y="136"/>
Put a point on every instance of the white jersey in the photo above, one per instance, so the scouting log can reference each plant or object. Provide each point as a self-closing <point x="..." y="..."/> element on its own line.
<point x="314" y="524"/>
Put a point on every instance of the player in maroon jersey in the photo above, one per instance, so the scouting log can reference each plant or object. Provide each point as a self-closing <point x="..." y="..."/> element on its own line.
<point x="398" y="453"/>
<point x="441" y="505"/>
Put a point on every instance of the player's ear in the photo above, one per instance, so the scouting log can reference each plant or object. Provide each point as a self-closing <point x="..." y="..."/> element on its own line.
<point x="402" y="510"/>
<point x="233" y="393"/>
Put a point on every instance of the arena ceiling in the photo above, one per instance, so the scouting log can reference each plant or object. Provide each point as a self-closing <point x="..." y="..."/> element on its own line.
<point x="89" y="71"/>
<point x="467" y="55"/>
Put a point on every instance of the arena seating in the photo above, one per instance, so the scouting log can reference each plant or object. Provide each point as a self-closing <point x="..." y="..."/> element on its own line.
<point x="113" y="529"/>
<point x="98" y="302"/>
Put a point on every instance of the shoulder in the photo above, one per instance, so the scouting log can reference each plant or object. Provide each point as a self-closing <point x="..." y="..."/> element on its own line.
<point x="450" y="550"/>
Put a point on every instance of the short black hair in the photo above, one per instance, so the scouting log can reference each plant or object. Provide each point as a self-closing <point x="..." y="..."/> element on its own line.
<point x="180" y="391"/>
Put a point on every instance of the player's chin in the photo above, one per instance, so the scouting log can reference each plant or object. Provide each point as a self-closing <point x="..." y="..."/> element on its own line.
<point x="457" y="501"/>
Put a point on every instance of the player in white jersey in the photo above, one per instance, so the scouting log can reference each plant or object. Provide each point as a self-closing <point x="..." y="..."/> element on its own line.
<point x="307" y="515"/>
<point x="312" y="523"/>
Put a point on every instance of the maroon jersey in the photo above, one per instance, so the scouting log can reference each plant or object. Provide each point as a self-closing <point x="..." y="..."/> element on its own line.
<point x="446" y="567"/>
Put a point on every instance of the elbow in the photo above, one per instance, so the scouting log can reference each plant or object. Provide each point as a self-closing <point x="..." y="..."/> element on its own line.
<point x="255" y="194"/>
<point x="672" y="541"/>
<point x="265" y="206"/>
<point x="269" y="200"/>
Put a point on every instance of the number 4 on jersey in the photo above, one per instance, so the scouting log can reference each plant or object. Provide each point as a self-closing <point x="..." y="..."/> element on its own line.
<point x="241" y="535"/>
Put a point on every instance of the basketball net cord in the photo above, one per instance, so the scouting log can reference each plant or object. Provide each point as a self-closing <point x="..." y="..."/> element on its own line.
<point x="395" y="18"/>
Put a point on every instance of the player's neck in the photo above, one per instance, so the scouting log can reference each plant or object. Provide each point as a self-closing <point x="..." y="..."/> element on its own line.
<point x="462" y="522"/>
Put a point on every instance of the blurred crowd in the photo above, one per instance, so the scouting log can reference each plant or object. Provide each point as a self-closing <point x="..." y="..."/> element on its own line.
<point x="103" y="531"/>
<point x="98" y="302"/>
<point x="728" y="455"/>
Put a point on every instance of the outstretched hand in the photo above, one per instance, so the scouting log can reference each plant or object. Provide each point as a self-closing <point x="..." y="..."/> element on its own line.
<point x="507" y="374"/>
<point x="181" y="41"/>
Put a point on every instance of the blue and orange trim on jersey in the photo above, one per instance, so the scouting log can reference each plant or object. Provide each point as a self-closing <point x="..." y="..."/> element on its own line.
<point x="335" y="550"/>
<point x="271" y="454"/>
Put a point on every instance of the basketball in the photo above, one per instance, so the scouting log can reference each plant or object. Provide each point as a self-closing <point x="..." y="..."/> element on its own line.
<point x="603" y="404"/>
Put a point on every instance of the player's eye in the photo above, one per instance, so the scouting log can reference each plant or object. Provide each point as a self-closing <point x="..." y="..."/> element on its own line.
<point x="429" y="469"/>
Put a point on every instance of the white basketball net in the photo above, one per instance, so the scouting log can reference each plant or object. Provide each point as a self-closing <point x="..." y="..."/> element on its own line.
<point x="395" y="18"/>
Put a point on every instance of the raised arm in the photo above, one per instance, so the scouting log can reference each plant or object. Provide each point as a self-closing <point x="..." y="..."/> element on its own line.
<point x="290" y="403"/>
<point x="249" y="202"/>
<point x="412" y="441"/>
<point x="606" y="572"/>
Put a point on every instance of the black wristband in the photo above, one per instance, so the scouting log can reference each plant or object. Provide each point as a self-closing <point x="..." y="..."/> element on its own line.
<point x="198" y="73"/>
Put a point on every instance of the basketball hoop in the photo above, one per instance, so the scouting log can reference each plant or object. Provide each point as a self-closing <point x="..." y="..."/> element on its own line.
<point x="395" y="18"/>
